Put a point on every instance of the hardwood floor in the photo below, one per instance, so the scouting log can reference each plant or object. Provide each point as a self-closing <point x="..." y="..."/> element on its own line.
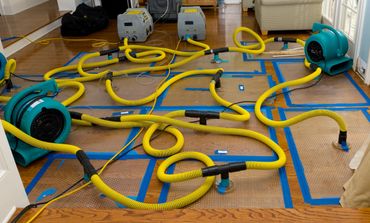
<point x="38" y="59"/>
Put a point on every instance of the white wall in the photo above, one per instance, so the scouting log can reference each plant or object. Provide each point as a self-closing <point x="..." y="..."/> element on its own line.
<point x="11" y="7"/>
<point x="233" y="1"/>
<point x="12" y="193"/>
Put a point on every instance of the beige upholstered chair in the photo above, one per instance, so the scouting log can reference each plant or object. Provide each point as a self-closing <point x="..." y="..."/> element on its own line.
<point x="287" y="14"/>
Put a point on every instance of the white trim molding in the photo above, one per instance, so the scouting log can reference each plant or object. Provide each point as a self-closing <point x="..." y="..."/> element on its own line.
<point x="367" y="74"/>
<point x="20" y="44"/>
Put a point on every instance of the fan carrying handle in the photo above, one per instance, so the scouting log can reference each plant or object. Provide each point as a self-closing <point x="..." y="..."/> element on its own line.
<point x="318" y="27"/>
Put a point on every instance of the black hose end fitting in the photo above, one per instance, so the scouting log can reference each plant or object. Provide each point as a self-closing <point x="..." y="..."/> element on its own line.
<point x="107" y="52"/>
<point x="85" y="162"/>
<point x="109" y="76"/>
<point x="217" y="78"/>
<point x="223" y="169"/>
<point x="202" y="115"/>
<point x="285" y="39"/>
<point x="8" y="84"/>
<point x="122" y="58"/>
<point x="75" y="115"/>
<point x="113" y="118"/>
<point x="342" y="139"/>
<point x="314" y="66"/>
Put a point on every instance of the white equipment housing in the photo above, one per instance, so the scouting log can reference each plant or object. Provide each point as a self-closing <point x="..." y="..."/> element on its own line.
<point x="191" y="23"/>
<point x="136" y="24"/>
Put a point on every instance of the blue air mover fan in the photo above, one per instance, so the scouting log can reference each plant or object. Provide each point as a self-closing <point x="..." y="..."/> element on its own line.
<point x="35" y="112"/>
<point x="2" y="66"/>
<point x="327" y="49"/>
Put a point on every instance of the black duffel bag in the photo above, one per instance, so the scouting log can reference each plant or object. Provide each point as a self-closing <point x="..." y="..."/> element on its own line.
<point x="84" y="20"/>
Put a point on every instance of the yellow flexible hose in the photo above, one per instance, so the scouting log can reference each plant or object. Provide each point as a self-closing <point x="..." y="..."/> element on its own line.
<point x="9" y="68"/>
<point x="80" y="91"/>
<point x="161" y="56"/>
<point x="4" y="98"/>
<point x="190" y="56"/>
<point x="159" y="91"/>
<point x="243" y="114"/>
<point x="300" y="117"/>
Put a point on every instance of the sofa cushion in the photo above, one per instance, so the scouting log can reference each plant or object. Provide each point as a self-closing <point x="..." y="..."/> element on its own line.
<point x="289" y="2"/>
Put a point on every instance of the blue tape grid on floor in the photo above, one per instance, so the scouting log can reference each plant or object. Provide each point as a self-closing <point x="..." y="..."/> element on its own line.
<point x="163" y="196"/>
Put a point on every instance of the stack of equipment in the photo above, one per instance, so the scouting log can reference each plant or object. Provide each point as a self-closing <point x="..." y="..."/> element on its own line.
<point x="38" y="115"/>
<point x="327" y="49"/>
<point x="191" y="23"/>
<point x="135" y="24"/>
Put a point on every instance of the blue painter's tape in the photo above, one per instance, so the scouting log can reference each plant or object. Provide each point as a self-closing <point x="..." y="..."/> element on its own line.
<point x="296" y="161"/>
<point x="4" y="39"/>
<point x="298" y="165"/>
<point x="41" y="172"/>
<point x="166" y="186"/>
<point x="363" y="94"/>
<point x="74" y="58"/>
<point x="242" y="76"/>
<point x="60" y="164"/>
<point x="195" y="89"/>
<point x="146" y="180"/>
<point x="285" y="188"/>
<point x="366" y="113"/>
<point x="46" y="193"/>
<point x="291" y="104"/>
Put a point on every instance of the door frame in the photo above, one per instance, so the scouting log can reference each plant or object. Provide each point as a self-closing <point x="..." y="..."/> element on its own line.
<point x="12" y="193"/>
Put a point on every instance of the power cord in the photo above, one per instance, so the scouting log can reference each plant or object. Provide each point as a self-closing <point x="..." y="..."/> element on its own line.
<point x="274" y="96"/>
<point x="24" y="78"/>
<point x="165" y="12"/>
<point x="124" y="153"/>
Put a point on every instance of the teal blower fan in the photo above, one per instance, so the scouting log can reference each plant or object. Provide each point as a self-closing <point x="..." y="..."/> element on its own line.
<point x="327" y="49"/>
<point x="36" y="113"/>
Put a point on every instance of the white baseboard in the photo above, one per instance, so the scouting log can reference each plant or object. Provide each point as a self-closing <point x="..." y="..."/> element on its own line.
<point x="20" y="44"/>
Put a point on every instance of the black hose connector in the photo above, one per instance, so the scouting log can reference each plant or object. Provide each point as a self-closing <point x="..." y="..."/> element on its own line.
<point x="202" y="115"/>
<point x="75" y="115"/>
<point x="217" y="78"/>
<point x="109" y="76"/>
<point x="85" y="162"/>
<point x="223" y="169"/>
<point x="113" y="118"/>
<point x="285" y="39"/>
<point x="216" y="51"/>
<point x="122" y="58"/>
<point x="110" y="51"/>
<point x="313" y="66"/>
<point x="9" y="84"/>
<point x="342" y="139"/>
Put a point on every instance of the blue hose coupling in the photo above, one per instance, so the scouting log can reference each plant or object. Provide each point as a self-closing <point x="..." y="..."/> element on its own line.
<point x="342" y="142"/>
<point x="344" y="146"/>
<point x="225" y="185"/>
<point x="217" y="59"/>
